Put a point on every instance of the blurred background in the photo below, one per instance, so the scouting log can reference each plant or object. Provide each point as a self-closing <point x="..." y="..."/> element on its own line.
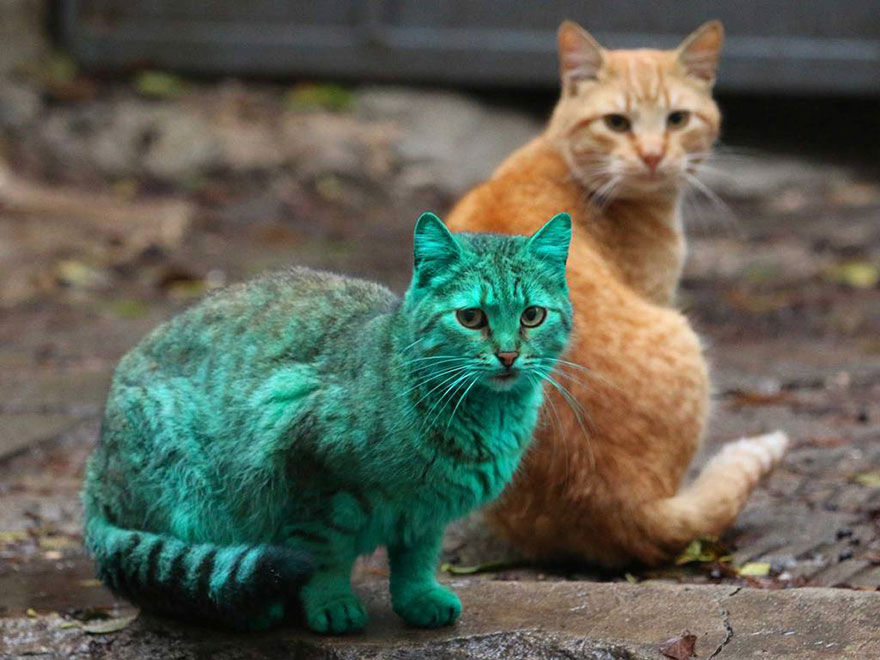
<point x="152" y="150"/>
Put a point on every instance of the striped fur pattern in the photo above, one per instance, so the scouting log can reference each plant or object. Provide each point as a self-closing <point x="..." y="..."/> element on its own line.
<point x="229" y="586"/>
<point x="255" y="445"/>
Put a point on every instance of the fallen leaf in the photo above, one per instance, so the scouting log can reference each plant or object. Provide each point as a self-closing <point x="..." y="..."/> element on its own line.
<point x="309" y="96"/>
<point x="704" y="550"/>
<point x="12" y="537"/>
<point x="870" y="479"/>
<point x="755" y="569"/>
<point x="159" y="85"/>
<point x="488" y="567"/>
<point x="754" y="398"/>
<point x="60" y="77"/>
<point x="108" y="626"/>
<point x="128" y="308"/>
<point x="58" y="542"/>
<point x="681" y="647"/>
<point x="91" y="582"/>
<point x="79" y="275"/>
<point x="89" y="614"/>
<point x="855" y="274"/>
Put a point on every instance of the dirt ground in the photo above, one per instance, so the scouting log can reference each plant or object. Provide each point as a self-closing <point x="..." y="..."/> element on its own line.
<point x="118" y="208"/>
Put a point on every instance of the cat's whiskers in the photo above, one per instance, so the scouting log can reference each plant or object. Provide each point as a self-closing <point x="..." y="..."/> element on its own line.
<point x="421" y="382"/>
<point x="461" y="399"/>
<point x="559" y="365"/>
<point x="550" y="405"/>
<point x="578" y="411"/>
<point x="430" y="418"/>
<point x="723" y="211"/>
<point x="405" y="349"/>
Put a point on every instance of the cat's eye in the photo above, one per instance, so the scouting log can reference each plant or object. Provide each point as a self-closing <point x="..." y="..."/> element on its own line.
<point x="678" y="119"/>
<point x="618" y="123"/>
<point x="472" y="317"/>
<point x="533" y="316"/>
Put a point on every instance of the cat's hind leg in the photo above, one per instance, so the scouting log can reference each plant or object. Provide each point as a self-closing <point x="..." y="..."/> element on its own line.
<point x="328" y="601"/>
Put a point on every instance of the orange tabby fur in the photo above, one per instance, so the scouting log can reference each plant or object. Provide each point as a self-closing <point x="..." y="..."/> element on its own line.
<point x="603" y="485"/>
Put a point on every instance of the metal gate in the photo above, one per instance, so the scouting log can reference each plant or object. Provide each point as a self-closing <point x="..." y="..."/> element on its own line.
<point x="825" y="46"/>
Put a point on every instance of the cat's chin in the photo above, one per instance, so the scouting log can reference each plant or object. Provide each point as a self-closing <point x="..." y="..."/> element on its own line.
<point x="640" y="187"/>
<point x="505" y="382"/>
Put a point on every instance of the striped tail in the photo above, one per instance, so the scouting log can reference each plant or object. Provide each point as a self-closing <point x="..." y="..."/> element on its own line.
<point x="241" y="587"/>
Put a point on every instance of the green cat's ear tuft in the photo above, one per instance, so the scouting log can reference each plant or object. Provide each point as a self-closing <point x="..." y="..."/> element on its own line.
<point x="551" y="241"/>
<point x="434" y="246"/>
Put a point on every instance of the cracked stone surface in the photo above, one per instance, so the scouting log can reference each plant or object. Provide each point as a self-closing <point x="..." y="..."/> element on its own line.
<point x="784" y="296"/>
<point x="519" y="620"/>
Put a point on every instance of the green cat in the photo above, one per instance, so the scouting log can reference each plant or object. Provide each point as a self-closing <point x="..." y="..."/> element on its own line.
<point x="255" y="445"/>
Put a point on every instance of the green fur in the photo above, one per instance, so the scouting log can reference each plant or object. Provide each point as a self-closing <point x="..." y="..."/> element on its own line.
<point x="307" y="415"/>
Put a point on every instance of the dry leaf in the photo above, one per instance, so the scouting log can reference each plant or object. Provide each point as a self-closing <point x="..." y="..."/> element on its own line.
<point x="855" y="274"/>
<point x="681" y="647"/>
<point x="488" y="567"/>
<point x="705" y="551"/>
<point x="159" y="85"/>
<point x="755" y="569"/>
<point x="870" y="479"/>
<point x="108" y="626"/>
<point x="753" y="398"/>
<point x="90" y="583"/>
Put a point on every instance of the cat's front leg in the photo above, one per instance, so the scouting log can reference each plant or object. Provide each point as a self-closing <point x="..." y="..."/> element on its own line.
<point x="416" y="595"/>
<point x="329" y="603"/>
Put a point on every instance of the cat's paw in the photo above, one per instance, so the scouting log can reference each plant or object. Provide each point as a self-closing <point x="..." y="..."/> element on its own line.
<point x="431" y="607"/>
<point x="335" y="616"/>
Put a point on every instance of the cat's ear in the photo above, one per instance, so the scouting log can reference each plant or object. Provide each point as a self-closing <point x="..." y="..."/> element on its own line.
<point x="700" y="52"/>
<point x="580" y="56"/>
<point x="551" y="241"/>
<point x="434" y="246"/>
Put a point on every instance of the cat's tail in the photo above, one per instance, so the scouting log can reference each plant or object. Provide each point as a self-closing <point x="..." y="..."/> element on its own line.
<point x="712" y="502"/>
<point x="242" y="587"/>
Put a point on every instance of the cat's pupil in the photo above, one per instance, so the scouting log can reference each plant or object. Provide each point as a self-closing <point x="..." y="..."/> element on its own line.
<point x="533" y="316"/>
<point x="618" y="123"/>
<point x="471" y="317"/>
<point x="678" y="118"/>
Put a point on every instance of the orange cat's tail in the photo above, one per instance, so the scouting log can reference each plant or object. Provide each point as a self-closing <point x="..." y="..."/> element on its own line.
<point x="712" y="502"/>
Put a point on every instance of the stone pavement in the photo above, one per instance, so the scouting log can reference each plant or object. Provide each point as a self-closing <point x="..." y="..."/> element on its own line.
<point x="517" y="620"/>
<point x="787" y="302"/>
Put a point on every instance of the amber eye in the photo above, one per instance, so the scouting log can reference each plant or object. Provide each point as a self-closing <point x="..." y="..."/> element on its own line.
<point x="678" y="119"/>
<point x="618" y="123"/>
<point x="472" y="317"/>
<point x="533" y="316"/>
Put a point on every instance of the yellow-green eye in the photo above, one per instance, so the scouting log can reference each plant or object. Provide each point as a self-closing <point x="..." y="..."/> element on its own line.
<point x="618" y="123"/>
<point x="471" y="317"/>
<point x="678" y="119"/>
<point x="533" y="316"/>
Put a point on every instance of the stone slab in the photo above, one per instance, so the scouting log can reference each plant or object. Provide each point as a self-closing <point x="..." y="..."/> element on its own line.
<point x="518" y="620"/>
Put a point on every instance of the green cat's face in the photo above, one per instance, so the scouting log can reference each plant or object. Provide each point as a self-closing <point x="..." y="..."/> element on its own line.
<point x="488" y="311"/>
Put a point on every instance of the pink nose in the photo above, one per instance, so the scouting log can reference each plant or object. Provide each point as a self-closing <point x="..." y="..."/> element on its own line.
<point x="507" y="358"/>
<point x="652" y="160"/>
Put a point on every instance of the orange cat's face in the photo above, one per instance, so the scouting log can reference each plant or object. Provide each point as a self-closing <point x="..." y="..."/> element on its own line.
<point x="633" y="122"/>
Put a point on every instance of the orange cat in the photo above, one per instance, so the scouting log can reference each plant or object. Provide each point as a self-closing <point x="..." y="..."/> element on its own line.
<point x="602" y="482"/>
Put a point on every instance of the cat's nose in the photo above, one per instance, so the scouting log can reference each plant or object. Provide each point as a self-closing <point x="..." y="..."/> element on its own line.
<point x="507" y="358"/>
<point x="652" y="159"/>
